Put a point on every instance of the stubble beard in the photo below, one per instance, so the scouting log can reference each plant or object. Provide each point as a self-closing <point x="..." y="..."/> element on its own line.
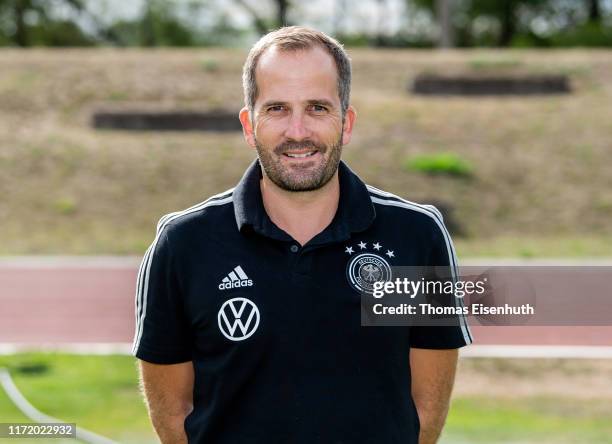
<point x="297" y="179"/>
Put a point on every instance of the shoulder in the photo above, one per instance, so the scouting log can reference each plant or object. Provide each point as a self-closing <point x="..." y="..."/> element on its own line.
<point x="423" y="222"/>
<point x="214" y="210"/>
<point x="399" y="207"/>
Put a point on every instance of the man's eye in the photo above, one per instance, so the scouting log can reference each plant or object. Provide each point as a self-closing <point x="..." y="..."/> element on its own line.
<point x="276" y="108"/>
<point x="318" y="108"/>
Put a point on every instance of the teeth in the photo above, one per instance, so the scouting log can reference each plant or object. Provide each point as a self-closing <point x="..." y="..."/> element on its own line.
<point x="300" y="156"/>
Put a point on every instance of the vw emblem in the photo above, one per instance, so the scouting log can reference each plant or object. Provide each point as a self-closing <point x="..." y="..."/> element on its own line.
<point x="238" y="319"/>
<point x="365" y="269"/>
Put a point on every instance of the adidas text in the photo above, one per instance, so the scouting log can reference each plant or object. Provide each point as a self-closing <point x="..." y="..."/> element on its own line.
<point x="235" y="284"/>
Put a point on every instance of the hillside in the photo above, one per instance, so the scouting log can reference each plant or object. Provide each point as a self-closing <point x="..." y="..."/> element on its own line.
<point x="541" y="181"/>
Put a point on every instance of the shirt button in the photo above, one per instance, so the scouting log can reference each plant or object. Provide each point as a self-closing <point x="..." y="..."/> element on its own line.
<point x="294" y="248"/>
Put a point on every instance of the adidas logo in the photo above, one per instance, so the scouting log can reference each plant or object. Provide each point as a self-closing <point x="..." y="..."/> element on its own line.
<point x="235" y="279"/>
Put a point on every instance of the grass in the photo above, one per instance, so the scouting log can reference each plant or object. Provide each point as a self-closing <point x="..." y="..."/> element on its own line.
<point x="533" y="420"/>
<point x="488" y="64"/>
<point x="65" y="205"/>
<point x="210" y="65"/>
<point x="530" y="401"/>
<point x="443" y="163"/>
<point x="540" y="166"/>
<point x="100" y="393"/>
<point x="534" y="247"/>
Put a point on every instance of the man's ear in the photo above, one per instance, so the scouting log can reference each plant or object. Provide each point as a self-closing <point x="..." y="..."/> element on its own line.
<point x="247" y="127"/>
<point x="349" y="121"/>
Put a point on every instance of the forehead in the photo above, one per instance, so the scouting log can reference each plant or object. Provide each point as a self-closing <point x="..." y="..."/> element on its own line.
<point x="302" y="72"/>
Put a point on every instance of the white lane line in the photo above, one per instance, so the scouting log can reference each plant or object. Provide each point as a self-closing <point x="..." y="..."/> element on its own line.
<point x="36" y="415"/>
<point x="537" y="351"/>
<point x="471" y="351"/>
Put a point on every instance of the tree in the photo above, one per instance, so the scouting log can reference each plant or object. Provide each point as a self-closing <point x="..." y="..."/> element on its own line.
<point x="444" y="16"/>
<point x="504" y="12"/>
<point x="444" y="13"/>
<point x="282" y="8"/>
<point x="18" y="10"/>
<point x="594" y="11"/>
<point x="264" y="24"/>
<point x="160" y="26"/>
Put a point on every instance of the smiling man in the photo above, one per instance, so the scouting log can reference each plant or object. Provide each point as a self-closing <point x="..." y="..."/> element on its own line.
<point x="248" y="304"/>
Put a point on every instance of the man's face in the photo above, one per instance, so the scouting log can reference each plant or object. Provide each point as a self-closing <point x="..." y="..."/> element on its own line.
<point x="297" y="126"/>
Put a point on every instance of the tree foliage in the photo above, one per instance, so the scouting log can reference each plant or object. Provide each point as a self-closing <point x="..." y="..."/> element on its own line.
<point x="509" y="22"/>
<point x="262" y="23"/>
<point x="208" y="22"/>
<point x="31" y="22"/>
<point x="504" y="13"/>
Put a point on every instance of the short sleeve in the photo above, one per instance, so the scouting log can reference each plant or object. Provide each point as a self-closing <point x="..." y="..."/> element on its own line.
<point x="162" y="333"/>
<point x="442" y="256"/>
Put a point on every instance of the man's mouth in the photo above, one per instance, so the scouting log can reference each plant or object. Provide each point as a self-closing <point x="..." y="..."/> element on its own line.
<point x="300" y="155"/>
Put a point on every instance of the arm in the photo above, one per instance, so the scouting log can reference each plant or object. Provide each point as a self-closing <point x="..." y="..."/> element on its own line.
<point x="168" y="391"/>
<point x="433" y="374"/>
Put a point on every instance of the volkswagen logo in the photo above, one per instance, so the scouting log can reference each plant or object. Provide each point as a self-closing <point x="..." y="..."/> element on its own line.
<point x="238" y="319"/>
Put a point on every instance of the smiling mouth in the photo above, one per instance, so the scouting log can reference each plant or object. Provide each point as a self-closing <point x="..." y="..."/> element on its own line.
<point x="300" y="155"/>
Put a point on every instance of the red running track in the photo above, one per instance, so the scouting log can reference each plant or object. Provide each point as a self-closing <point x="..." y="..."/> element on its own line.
<point x="92" y="301"/>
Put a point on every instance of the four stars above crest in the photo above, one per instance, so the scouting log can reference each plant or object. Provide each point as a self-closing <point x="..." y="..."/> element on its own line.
<point x="363" y="246"/>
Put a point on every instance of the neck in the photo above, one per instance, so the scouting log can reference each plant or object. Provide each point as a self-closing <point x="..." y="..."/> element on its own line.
<point x="304" y="214"/>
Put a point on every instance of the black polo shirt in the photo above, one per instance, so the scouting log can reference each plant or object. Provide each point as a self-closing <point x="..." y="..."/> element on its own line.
<point x="273" y="328"/>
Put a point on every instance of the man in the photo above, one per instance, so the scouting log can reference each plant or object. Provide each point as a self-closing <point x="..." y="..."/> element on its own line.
<point x="248" y="321"/>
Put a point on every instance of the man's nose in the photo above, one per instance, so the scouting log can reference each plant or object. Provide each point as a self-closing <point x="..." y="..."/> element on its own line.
<point x="297" y="129"/>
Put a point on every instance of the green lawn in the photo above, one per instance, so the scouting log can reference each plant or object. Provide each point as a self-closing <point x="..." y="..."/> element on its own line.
<point x="527" y="420"/>
<point x="101" y="394"/>
<point x="532" y="247"/>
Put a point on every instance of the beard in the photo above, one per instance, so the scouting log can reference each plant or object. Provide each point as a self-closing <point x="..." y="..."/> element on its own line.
<point x="300" y="177"/>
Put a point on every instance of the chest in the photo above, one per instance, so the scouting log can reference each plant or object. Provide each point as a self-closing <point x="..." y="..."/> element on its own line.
<point x="254" y="295"/>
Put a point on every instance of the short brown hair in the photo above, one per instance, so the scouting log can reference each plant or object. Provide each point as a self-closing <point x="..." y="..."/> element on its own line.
<point x="296" y="38"/>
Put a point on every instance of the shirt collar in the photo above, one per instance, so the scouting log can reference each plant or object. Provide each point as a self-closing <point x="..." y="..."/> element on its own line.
<point x="355" y="211"/>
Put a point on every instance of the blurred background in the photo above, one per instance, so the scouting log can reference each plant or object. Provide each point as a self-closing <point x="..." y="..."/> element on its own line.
<point x="115" y="112"/>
